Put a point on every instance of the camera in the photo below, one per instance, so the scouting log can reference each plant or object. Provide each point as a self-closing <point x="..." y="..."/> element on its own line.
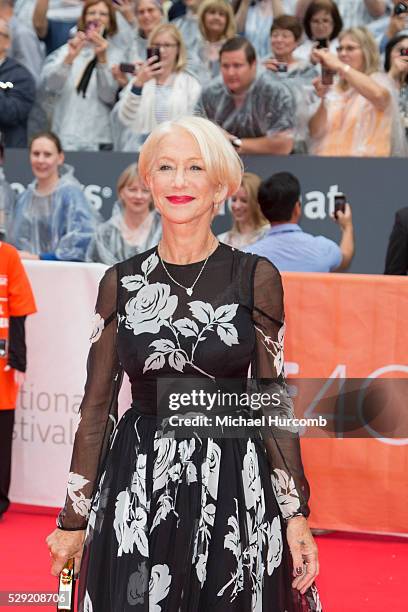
<point x="128" y="68"/>
<point x="404" y="52"/>
<point x="400" y="8"/>
<point x="327" y="75"/>
<point x="282" y="67"/>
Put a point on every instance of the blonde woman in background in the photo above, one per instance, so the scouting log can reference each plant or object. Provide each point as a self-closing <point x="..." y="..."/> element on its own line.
<point x="134" y="226"/>
<point x="355" y="115"/>
<point x="216" y="23"/>
<point x="160" y="91"/>
<point x="249" y="224"/>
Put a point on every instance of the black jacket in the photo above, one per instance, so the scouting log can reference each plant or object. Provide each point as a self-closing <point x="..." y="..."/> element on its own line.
<point x="397" y="253"/>
<point x="15" y="102"/>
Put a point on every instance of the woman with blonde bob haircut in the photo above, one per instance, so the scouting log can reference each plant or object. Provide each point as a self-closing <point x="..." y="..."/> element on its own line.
<point x="134" y="226"/>
<point x="249" y="224"/>
<point x="179" y="516"/>
<point x="356" y="115"/>
<point x="160" y="91"/>
<point x="216" y="23"/>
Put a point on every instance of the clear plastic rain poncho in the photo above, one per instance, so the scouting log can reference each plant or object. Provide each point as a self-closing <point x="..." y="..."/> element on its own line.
<point x="55" y="226"/>
<point x="7" y="198"/>
<point x="114" y="241"/>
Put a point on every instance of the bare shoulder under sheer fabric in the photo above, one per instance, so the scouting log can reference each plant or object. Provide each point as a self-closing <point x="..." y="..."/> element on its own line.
<point x="194" y="523"/>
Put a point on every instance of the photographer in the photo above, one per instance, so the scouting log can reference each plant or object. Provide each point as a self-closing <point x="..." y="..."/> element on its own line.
<point x="286" y="245"/>
<point x="394" y="25"/>
<point x="79" y="75"/>
<point x="356" y="114"/>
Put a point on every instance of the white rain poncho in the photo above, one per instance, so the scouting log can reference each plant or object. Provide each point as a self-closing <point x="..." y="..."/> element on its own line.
<point x="114" y="241"/>
<point x="82" y="123"/>
<point x="7" y="198"/>
<point x="55" y="226"/>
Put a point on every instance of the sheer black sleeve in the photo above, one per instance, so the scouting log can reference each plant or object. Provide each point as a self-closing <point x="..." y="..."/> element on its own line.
<point x="98" y="408"/>
<point x="282" y="443"/>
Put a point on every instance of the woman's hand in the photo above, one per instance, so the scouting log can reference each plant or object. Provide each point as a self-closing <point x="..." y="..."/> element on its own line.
<point x="400" y="65"/>
<point x="327" y="59"/>
<point x="119" y="76"/>
<point x="127" y="8"/>
<point x="321" y="89"/>
<point x="100" y="45"/>
<point x="150" y="69"/>
<point x="304" y="553"/>
<point x="64" y="545"/>
<point x="75" y="45"/>
<point x="271" y="64"/>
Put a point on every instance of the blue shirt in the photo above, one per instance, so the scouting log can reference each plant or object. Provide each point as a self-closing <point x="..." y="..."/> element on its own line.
<point x="291" y="249"/>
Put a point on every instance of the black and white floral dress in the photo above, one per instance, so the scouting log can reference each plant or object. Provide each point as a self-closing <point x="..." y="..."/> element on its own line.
<point x="191" y="524"/>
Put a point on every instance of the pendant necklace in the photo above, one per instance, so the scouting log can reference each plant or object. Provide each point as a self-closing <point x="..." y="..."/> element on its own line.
<point x="188" y="290"/>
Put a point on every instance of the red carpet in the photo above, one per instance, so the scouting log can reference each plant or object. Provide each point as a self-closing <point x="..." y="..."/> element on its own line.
<point x="359" y="573"/>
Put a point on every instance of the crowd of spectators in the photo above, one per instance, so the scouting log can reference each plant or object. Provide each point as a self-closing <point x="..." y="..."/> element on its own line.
<point x="280" y="76"/>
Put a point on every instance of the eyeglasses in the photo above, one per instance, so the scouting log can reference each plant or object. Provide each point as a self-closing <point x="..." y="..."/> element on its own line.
<point x="164" y="45"/>
<point x="347" y="48"/>
<point x="97" y="14"/>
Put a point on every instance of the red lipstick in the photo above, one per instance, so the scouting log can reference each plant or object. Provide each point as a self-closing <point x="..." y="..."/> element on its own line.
<point x="182" y="199"/>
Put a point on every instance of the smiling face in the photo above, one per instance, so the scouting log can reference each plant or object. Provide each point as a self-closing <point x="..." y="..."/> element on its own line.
<point x="148" y="16"/>
<point x="240" y="207"/>
<point x="98" y="14"/>
<point x="215" y="22"/>
<point x="45" y="159"/>
<point x="169" y="49"/>
<point x="350" y="52"/>
<point x="136" y="198"/>
<point x="321" y="25"/>
<point x="181" y="187"/>
<point x="236" y="71"/>
<point x="283" y="43"/>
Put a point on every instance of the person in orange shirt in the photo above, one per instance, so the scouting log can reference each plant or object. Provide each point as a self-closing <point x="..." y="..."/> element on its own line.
<point x="16" y="302"/>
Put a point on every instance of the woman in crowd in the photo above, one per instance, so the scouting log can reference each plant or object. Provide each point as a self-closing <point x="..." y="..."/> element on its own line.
<point x="79" y="75"/>
<point x="216" y="23"/>
<point x="134" y="226"/>
<point x="396" y="65"/>
<point x="193" y="520"/>
<point x="355" y="115"/>
<point x="254" y="21"/>
<point x="322" y="21"/>
<point x="160" y="90"/>
<point x="249" y="224"/>
<point x="286" y="33"/>
<point x="51" y="219"/>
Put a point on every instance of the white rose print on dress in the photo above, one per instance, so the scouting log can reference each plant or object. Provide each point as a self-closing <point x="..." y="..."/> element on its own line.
<point x="286" y="493"/>
<point x="98" y="325"/>
<point x="80" y="504"/>
<point x="159" y="585"/>
<point x="130" y="525"/>
<point x="153" y="308"/>
<point x="275" y="348"/>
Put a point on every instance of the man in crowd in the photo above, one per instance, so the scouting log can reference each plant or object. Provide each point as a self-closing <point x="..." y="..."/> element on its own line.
<point x="286" y="245"/>
<point x="256" y="110"/>
<point x="25" y="46"/>
<point x="397" y="253"/>
<point x="17" y="91"/>
<point x="391" y="25"/>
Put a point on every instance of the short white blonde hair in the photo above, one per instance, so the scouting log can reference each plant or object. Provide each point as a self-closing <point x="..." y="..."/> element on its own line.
<point x="222" y="162"/>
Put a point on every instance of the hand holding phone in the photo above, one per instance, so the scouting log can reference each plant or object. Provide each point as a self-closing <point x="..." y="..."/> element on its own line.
<point x="128" y="68"/>
<point x="153" y="51"/>
<point x="327" y="75"/>
<point x="339" y="204"/>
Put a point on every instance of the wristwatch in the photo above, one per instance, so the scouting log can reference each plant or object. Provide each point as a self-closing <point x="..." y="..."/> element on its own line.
<point x="236" y="142"/>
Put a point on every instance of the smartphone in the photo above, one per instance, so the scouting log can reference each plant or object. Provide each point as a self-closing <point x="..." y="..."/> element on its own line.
<point x="282" y="67"/>
<point x="66" y="590"/>
<point x="400" y="8"/>
<point x="339" y="204"/>
<point x="130" y="68"/>
<point x="150" y="51"/>
<point x="404" y="52"/>
<point x="327" y="75"/>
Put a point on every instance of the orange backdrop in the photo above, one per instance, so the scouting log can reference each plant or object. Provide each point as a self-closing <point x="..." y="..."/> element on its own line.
<point x="351" y="326"/>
